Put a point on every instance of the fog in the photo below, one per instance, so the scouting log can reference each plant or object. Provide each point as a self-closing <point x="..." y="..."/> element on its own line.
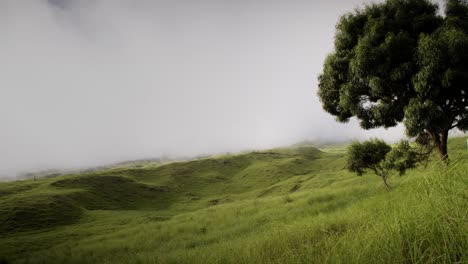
<point x="87" y="83"/>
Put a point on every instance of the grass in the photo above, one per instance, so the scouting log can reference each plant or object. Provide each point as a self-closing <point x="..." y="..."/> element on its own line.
<point x="291" y="205"/>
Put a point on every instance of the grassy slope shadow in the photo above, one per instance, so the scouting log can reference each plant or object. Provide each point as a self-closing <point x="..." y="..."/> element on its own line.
<point x="74" y="195"/>
<point x="113" y="193"/>
<point x="36" y="212"/>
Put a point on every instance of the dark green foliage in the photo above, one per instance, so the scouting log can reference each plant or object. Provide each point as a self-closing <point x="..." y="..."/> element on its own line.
<point x="3" y="260"/>
<point x="375" y="155"/>
<point x="457" y="13"/>
<point x="367" y="155"/>
<point x="398" y="61"/>
<point x="403" y="157"/>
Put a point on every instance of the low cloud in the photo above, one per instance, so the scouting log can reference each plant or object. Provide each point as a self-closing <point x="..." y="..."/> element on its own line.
<point x="86" y="83"/>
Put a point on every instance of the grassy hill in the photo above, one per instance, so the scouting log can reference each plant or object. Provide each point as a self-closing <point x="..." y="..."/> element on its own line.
<point x="291" y="205"/>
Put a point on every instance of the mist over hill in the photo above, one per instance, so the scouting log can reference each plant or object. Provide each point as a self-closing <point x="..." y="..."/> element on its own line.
<point x="87" y="83"/>
<point x="137" y="163"/>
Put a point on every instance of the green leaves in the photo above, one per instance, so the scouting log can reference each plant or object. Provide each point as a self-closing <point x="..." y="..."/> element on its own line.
<point x="373" y="63"/>
<point x="401" y="158"/>
<point x="376" y="156"/>
<point x="367" y="155"/>
<point x="398" y="61"/>
<point x="420" y="115"/>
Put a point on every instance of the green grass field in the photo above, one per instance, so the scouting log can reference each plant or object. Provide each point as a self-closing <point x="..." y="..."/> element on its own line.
<point x="291" y="205"/>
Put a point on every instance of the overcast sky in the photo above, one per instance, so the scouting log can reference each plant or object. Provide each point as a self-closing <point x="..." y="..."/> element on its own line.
<point x="91" y="82"/>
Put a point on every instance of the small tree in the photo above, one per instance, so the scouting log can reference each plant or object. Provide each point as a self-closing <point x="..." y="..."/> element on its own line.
<point x="375" y="155"/>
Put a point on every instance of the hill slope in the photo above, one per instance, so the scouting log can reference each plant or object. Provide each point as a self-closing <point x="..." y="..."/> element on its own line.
<point x="291" y="205"/>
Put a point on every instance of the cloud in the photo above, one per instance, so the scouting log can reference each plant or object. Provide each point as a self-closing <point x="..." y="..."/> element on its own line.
<point x="87" y="83"/>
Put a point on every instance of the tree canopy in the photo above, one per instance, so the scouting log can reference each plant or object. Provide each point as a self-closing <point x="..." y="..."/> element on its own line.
<point x="376" y="156"/>
<point x="399" y="61"/>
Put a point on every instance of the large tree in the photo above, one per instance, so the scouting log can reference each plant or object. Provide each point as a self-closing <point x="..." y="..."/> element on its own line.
<point x="399" y="61"/>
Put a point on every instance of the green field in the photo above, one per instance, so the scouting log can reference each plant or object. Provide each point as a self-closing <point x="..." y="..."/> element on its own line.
<point x="291" y="205"/>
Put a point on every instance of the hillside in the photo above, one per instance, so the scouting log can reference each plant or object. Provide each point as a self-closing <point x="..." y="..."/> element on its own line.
<point x="289" y="205"/>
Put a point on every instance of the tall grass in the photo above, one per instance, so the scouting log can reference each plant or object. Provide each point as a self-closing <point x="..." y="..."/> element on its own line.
<point x="322" y="214"/>
<point x="423" y="220"/>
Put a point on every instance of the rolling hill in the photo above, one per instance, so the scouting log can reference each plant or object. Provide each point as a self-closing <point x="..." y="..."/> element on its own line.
<point x="287" y="205"/>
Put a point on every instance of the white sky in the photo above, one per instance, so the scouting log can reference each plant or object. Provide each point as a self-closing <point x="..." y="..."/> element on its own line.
<point x="86" y="83"/>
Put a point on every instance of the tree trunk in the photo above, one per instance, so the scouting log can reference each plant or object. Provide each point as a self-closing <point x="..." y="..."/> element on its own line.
<point x="440" y="142"/>
<point x="443" y="146"/>
<point x="384" y="178"/>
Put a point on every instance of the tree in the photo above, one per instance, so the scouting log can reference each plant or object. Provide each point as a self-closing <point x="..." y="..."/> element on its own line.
<point x="375" y="155"/>
<point x="368" y="156"/>
<point x="399" y="61"/>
